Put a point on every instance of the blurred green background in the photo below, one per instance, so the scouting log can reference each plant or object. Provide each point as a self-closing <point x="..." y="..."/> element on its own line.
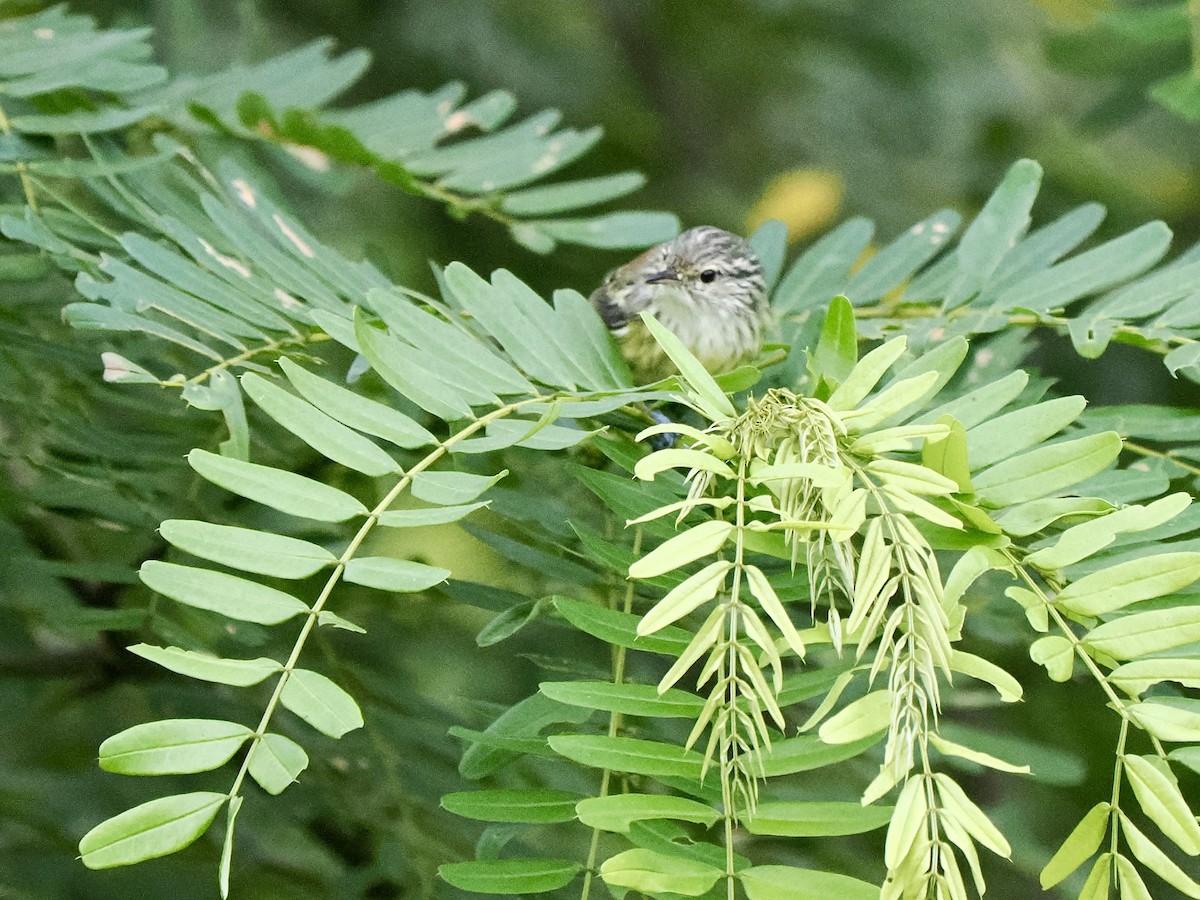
<point x="809" y="111"/>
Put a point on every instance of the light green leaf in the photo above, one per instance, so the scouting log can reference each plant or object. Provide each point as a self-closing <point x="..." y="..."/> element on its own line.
<point x="1081" y="843"/>
<point x="388" y="574"/>
<point x="762" y="590"/>
<point x="1139" y="579"/>
<point x="701" y="540"/>
<point x="808" y="752"/>
<point x="451" y="488"/>
<point x="688" y="595"/>
<point x="333" y="620"/>
<point x="1158" y="794"/>
<point x="276" y="762"/>
<point x="532" y="806"/>
<point x="206" y="667"/>
<point x="237" y="598"/>
<point x="355" y="410"/>
<point x="789" y="883"/>
<point x="708" y="395"/>
<point x="235" y="806"/>
<point x="615" y="627"/>
<point x="1087" y="538"/>
<point x="980" y="404"/>
<point x="956" y="803"/>
<point x="284" y="491"/>
<point x="617" y="812"/>
<point x="1003" y="436"/>
<point x="1045" y="470"/>
<point x="1156" y="860"/>
<point x="898" y="396"/>
<point x="504" y="877"/>
<point x="1056" y="653"/>
<point x="649" y="466"/>
<point x="1138" y="676"/>
<point x="867" y="373"/>
<point x="1142" y="634"/>
<point x="950" y="748"/>
<point x="985" y="670"/>
<point x="1098" y="880"/>
<point x="323" y="433"/>
<point x="649" y="871"/>
<point x="1029" y="518"/>
<point x="150" y="830"/>
<point x="816" y="819"/>
<point x="172" y="746"/>
<point x="1167" y="721"/>
<point x="243" y="548"/>
<point x="434" y="515"/>
<point x="626" y="754"/>
<point x="866" y="716"/>
<point x="627" y="698"/>
<point x="320" y="703"/>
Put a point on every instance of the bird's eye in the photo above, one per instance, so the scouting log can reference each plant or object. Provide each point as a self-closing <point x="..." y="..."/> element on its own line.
<point x="708" y="276"/>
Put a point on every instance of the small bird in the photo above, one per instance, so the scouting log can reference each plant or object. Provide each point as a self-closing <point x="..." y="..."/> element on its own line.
<point x="706" y="286"/>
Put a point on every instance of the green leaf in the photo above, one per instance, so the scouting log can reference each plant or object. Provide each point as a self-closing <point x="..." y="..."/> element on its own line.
<point x="571" y="194"/>
<point x="1180" y="94"/>
<point x="150" y="830"/>
<point x="1002" y="436"/>
<point x="451" y="488"/>
<point x="360" y="413"/>
<point x="790" y="882"/>
<point x="415" y="374"/>
<point x="823" y="268"/>
<point x="866" y="373"/>
<point x="617" y="812"/>
<point x="434" y="515"/>
<point x="615" y="627"/>
<point x="676" y="458"/>
<point x="808" y="752"/>
<point x="243" y="548"/>
<point x="1113" y="262"/>
<point x="237" y="598"/>
<point x="626" y="698"/>
<point x="997" y="228"/>
<point x="1158" y="794"/>
<point x="615" y="231"/>
<point x="626" y="754"/>
<point x="1083" y="841"/>
<point x="533" y="806"/>
<point x="519" y="725"/>
<point x="206" y="667"/>
<point x="323" y="433"/>
<point x="509" y="876"/>
<point x="276" y="762"/>
<point x="708" y="395"/>
<point x="649" y="871"/>
<point x="701" y="540"/>
<point x="388" y="574"/>
<point x="172" y="746"/>
<point x="1141" y="634"/>
<point x="284" y="491"/>
<point x="815" y="818"/>
<point x="769" y="243"/>
<point x="1045" y="470"/>
<point x="1168" y="721"/>
<point x="897" y="262"/>
<point x="320" y="703"/>
<point x="1028" y="518"/>
<point x="1139" y="579"/>
<point x="837" y="348"/>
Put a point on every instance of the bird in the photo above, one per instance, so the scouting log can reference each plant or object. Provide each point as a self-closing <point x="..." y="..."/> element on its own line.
<point x="706" y="286"/>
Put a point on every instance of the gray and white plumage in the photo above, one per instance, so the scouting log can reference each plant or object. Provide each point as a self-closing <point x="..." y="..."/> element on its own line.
<point x="706" y="286"/>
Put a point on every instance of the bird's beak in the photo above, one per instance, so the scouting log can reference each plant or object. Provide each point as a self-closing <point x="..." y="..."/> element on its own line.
<point x="664" y="275"/>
